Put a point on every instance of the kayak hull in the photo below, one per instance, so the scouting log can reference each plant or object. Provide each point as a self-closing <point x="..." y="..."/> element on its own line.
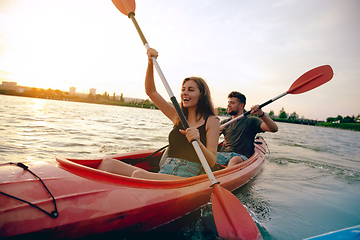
<point x="90" y="201"/>
<point x="351" y="233"/>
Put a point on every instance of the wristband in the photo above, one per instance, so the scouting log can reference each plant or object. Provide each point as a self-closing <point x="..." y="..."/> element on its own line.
<point x="262" y="115"/>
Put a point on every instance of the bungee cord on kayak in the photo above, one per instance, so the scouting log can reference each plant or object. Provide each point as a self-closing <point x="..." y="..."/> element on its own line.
<point x="53" y="214"/>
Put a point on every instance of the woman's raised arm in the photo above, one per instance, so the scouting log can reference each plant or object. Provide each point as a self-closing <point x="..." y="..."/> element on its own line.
<point x="151" y="91"/>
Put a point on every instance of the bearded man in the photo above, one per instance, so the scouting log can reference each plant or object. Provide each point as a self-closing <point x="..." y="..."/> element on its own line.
<point x="239" y="135"/>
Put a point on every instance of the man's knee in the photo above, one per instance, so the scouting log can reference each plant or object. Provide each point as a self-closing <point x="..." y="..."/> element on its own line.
<point x="235" y="160"/>
<point x="238" y="159"/>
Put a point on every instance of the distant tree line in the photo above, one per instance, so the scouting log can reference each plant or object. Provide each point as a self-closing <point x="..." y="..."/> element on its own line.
<point x="104" y="98"/>
<point x="41" y="93"/>
<point x="294" y="118"/>
<point x="347" y="119"/>
<point x="338" y="119"/>
<point x="59" y="95"/>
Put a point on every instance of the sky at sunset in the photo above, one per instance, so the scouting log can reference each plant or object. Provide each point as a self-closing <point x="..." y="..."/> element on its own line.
<point x="256" y="47"/>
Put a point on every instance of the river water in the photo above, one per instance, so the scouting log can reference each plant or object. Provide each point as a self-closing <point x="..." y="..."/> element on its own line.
<point x="309" y="185"/>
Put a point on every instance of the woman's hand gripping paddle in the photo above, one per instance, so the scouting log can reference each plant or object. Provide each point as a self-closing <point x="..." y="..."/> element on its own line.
<point x="309" y="80"/>
<point x="231" y="218"/>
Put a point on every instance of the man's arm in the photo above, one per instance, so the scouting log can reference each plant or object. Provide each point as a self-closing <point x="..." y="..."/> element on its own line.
<point x="268" y="124"/>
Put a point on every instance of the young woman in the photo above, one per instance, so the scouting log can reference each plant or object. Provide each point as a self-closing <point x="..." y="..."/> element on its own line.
<point x="182" y="160"/>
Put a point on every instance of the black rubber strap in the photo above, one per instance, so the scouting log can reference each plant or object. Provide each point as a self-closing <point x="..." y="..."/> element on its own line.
<point x="53" y="214"/>
<point x="160" y="149"/>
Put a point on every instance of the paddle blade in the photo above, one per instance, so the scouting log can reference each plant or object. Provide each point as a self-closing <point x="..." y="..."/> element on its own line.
<point x="311" y="79"/>
<point x="231" y="218"/>
<point x="125" y="6"/>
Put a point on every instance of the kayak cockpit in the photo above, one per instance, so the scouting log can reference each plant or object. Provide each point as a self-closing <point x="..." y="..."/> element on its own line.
<point x="150" y="160"/>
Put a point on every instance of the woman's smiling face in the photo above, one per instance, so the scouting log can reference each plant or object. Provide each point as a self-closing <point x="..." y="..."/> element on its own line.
<point x="190" y="94"/>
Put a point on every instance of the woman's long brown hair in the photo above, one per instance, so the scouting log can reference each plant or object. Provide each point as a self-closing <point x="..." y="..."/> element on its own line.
<point x="205" y="107"/>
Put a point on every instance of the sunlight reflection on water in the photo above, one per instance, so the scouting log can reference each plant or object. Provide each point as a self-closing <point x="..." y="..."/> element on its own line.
<point x="38" y="128"/>
<point x="309" y="180"/>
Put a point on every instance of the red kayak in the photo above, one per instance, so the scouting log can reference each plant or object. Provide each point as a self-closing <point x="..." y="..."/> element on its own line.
<point x="71" y="198"/>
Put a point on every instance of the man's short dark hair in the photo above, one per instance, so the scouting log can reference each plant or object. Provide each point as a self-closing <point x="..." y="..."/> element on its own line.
<point x="239" y="96"/>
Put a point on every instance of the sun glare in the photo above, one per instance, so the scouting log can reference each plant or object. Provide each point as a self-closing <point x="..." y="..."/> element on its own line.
<point x="46" y="49"/>
<point x="38" y="104"/>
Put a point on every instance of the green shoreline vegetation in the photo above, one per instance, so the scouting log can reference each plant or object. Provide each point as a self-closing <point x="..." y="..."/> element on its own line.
<point x="347" y="123"/>
<point x="344" y="126"/>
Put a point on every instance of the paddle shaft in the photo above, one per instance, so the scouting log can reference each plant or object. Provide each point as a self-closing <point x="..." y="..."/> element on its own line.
<point x="195" y="144"/>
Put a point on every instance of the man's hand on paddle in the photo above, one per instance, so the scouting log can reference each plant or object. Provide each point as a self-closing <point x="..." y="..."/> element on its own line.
<point x="256" y="110"/>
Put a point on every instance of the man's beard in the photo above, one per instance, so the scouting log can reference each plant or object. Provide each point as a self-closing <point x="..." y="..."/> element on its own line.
<point x="233" y="113"/>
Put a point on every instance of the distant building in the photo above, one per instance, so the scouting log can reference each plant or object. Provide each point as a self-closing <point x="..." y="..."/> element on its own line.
<point x="93" y="91"/>
<point x="9" y="85"/>
<point x="13" y="87"/>
<point x="72" y="90"/>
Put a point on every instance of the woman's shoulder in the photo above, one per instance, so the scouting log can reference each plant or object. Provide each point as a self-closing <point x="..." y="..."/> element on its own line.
<point x="213" y="118"/>
<point x="213" y="121"/>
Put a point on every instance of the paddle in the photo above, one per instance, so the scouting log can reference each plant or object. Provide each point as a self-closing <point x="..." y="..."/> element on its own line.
<point x="306" y="82"/>
<point x="231" y="218"/>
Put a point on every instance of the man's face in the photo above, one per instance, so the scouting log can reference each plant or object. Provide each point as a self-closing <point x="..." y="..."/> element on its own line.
<point x="234" y="106"/>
